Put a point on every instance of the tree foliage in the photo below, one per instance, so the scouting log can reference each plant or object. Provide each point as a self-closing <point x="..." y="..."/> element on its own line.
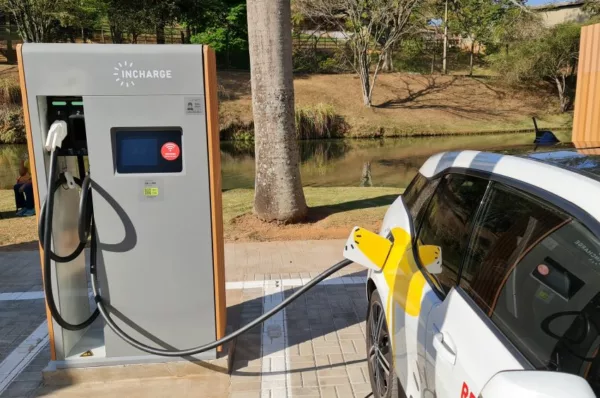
<point x="221" y="21"/>
<point x="592" y="7"/>
<point x="79" y="18"/>
<point x="36" y="19"/>
<point x="372" y="28"/>
<point x="515" y="26"/>
<point x="478" y="20"/>
<point x="227" y="30"/>
<point x="550" y="56"/>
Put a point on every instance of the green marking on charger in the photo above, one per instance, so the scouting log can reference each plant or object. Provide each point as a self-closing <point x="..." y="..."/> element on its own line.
<point x="59" y="103"/>
<point x="151" y="191"/>
<point x="77" y="103"/>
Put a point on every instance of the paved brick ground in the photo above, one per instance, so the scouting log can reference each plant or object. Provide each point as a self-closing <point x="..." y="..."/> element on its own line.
<point x="28" y="382"/>
<point x="17" y="320"/>
<point x="20" y="272"/>
<point x="316" y="350"/>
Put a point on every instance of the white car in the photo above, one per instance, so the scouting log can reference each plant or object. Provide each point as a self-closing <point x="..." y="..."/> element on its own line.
<point x="485" y="279"/>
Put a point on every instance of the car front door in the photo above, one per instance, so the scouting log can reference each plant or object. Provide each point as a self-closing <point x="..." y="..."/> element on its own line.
<point x="444" y="221"/>
<point x="529" y="278"/>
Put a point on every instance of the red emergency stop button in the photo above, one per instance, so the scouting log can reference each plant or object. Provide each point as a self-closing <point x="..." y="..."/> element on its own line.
<point x="170" y="151"/>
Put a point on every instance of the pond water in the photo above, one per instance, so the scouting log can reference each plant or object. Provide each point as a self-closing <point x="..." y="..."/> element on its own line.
<point x="394" y="162"/>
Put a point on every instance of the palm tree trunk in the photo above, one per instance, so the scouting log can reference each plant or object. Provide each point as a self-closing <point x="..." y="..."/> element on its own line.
<point x="278" y="187"/>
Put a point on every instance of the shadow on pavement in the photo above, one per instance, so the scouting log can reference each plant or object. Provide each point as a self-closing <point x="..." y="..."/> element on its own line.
<point x="312" y="325"/>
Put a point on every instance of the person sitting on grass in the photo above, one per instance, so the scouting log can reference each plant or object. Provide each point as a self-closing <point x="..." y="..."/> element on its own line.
<point x="24" y="191"/>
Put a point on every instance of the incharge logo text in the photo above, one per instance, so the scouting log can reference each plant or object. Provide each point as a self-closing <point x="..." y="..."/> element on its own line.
<point x="126" y="75"/>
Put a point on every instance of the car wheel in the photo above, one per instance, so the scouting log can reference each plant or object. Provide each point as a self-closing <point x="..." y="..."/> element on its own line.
<point x="384" y="382"/>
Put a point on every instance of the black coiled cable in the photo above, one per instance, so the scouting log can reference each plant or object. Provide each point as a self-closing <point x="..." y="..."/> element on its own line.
<point x="45" y="231"/>
<point x="86" y="226"/>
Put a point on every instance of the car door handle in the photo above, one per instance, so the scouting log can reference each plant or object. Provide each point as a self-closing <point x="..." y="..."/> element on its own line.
<point x="444" y="347"/>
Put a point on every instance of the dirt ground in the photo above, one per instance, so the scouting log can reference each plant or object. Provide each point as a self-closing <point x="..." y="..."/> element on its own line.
<point x="406" y="104"/>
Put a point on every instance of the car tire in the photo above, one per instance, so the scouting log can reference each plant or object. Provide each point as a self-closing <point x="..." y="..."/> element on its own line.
<point x="384" y="382"/>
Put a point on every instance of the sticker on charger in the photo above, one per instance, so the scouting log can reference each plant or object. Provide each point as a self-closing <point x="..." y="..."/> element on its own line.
<point x="170" y="151"/>
<point x="151" y="190"/>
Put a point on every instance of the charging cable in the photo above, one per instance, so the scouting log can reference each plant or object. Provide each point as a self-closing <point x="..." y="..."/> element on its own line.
<point x="86" y="227"/>
<point x="56" y="135"/>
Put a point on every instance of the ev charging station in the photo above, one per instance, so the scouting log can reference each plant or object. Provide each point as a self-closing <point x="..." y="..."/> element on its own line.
<point x="135" y="126"/>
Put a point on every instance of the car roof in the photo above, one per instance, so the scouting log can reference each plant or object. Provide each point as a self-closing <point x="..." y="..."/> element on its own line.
<point x="583" y="161"/>
<point x="572" y="174"/>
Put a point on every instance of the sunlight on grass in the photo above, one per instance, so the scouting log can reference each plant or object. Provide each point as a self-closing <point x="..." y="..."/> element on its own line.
<point x="240" y="201"/>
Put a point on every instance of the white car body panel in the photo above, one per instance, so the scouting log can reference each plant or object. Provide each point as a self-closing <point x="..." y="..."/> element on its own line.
<point x="476" y="343"/>
<point x="414" y="358"/>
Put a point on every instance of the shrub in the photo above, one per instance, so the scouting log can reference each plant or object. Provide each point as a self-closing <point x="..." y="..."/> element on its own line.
<point x="12" y="125"/>
<point x="313" y="122"/>
<point x="238" y="130"/>
<point x="318" y="122"/>
<point x="549" y="56"/>
<point x="312" y="60"/>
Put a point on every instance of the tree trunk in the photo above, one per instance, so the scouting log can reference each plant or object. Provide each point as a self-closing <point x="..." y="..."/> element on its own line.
<point x="471" y="60"/>
<point x="160" y="32"/>
<point x="363" y="73"/>
<point x="116" y="34"/>
<point x="188" y="34"/>
<point x="10" y="52"/>
<point x="563" y="98"/>
<point x="433" y="62"/>
<point x="388" y="62"/>
<point x="228" y="65"/>
<point x="278" y="187"/>
<point x="445" y="51"/>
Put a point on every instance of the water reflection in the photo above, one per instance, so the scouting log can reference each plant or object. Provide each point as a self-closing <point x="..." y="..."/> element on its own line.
<point x="392" y="162"/>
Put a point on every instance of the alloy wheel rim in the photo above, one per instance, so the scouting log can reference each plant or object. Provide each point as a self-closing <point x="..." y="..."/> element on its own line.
<point x="379" y="350"/>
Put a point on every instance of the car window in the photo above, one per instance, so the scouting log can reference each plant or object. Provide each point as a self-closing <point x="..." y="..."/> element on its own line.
<point x="447" y="223"/>
<point x="417" y="195"/>
<point x="536" y="272"/>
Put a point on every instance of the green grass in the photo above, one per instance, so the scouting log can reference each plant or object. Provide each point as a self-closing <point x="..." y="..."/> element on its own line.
<point x="334" y="211"/>
<point x="237" y="202"/>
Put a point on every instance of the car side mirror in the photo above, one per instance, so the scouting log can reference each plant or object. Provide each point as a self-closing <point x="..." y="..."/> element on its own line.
<point x="534" y="383"/>
<point x="367" y="248"/>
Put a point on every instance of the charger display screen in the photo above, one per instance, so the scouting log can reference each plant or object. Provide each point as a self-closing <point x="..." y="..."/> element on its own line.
<point x="147" y="150"/>
<point x="136" y="152"/>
